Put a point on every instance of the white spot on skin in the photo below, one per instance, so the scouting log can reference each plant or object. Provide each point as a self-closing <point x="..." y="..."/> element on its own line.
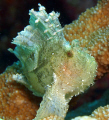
<point x="36" y="21"/>
<point x="30" y="43"/>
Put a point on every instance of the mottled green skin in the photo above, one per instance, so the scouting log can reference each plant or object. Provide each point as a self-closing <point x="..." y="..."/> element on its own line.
<point x="35" y="47"/>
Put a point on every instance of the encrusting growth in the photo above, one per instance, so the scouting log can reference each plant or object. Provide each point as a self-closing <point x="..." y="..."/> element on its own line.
<point x="92" y="30"/>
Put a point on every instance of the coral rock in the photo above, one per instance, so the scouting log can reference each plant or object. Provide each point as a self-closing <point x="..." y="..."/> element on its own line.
<point x="16" y="102"/>
<point x="92" y="30"/>
<point x="84" y="118"/>
<point x="53" y="117"/>
<point x="101" y="113"/>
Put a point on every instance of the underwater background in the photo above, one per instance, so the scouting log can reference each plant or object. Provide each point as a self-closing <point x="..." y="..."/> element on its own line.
<point x="14" y="17"/>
